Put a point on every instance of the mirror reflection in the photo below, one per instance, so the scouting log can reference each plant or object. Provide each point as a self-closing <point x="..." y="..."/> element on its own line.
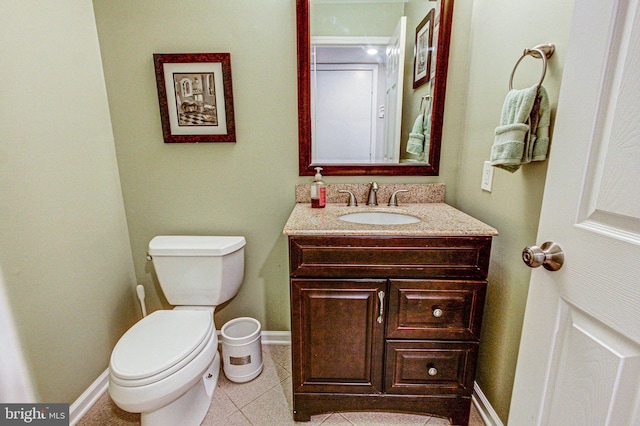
<point x="376" y="85"/>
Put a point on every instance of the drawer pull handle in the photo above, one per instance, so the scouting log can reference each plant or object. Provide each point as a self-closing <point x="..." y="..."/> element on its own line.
<point x="381" y="297"/>
<point x="437" y="312"/>
<point x="432" y="371"/>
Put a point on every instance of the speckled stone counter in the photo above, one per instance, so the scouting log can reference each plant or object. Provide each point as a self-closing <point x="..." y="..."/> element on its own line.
<point x="418" y="192"/>
<point x="436" y="219"/>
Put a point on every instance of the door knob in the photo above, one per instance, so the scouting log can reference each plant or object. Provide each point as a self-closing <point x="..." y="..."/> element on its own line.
<point x="549" y="255"/>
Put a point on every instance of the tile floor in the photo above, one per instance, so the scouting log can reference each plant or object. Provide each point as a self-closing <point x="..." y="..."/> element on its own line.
<point x="265" y="401"/>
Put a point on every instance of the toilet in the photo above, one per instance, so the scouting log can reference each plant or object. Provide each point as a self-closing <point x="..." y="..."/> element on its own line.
<point x="166" y="366"/>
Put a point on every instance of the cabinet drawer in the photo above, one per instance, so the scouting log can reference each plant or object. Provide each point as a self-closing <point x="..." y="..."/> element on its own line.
<point x="385" y="257"/>
<point x="433" y="309"/>
<point x="428" y="368"/>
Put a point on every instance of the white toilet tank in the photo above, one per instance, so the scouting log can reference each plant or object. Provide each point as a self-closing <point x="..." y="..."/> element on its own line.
<point x="198" y="270"/>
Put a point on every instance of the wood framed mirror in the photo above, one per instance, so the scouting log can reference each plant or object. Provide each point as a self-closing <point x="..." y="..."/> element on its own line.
<point x="438" y="17"/>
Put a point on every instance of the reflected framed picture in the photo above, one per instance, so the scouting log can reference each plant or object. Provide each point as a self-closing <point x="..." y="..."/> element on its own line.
<point x="195" y="96"/>
<point x="423" y="50"/>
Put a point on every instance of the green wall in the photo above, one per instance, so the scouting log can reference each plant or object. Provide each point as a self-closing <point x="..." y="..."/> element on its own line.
<point x="355" y="19"/>
<point x="243" y="188"/>
<point x="64" y="246"/>
<point x="66" y="169"/>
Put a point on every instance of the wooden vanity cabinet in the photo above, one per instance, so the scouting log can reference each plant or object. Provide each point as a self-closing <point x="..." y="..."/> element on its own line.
<point x="386" y="323"/>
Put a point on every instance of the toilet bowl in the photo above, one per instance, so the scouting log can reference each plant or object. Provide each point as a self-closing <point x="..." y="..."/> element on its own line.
<point x="167" y="365"/>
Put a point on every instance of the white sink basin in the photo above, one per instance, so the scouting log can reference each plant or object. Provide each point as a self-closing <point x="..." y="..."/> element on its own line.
<point x="379" y="218"/>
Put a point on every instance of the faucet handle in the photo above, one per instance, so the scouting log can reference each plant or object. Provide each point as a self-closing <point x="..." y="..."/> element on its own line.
<point x="352" y="199"/>
<point x="393" y="200"/>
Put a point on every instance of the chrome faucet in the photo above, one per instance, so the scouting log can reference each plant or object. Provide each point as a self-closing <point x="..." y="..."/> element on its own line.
<point x="372" y="200"/>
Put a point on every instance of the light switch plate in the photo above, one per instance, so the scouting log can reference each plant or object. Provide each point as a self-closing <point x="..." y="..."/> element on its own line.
<point x="487" y="176"/>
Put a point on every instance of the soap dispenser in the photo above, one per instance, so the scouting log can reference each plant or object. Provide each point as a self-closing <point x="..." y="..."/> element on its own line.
<point x="318" y="191"/>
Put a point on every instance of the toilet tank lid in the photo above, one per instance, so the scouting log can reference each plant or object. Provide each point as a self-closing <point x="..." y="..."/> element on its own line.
<point x="192" y="245"/>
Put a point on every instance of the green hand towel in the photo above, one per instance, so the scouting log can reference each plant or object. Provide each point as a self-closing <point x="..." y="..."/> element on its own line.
<point x="415" y="144"/>
<point x="539" y="143"/>
<point x="522" y="136"/>
<point x="508" y="147"/>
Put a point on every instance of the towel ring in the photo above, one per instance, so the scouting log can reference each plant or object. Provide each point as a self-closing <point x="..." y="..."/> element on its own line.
<point x="543" y="51"/>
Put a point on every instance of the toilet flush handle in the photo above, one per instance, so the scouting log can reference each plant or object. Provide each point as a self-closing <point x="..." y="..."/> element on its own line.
<point x="149" y="258"/>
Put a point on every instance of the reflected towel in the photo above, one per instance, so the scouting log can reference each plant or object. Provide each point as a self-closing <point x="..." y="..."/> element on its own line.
<point x="419" y="138"/>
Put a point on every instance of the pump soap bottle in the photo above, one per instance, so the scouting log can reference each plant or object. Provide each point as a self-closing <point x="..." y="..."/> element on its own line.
<point x="318" y="191"/>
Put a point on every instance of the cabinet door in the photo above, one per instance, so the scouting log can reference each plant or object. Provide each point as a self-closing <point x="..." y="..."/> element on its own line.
<point x="337" y="335"/>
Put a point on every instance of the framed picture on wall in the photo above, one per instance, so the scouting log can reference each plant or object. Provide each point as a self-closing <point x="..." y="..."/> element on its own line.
<point x="195" y="97"/>
<point x="423" y="50"/>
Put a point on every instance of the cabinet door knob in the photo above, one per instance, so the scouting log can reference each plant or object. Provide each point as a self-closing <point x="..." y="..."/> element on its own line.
<point x="437" y="312"/>
<point x="432" y="371"/>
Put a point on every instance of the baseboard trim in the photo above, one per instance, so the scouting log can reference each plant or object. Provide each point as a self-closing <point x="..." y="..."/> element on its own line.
<point x="276" y="337"/>
<point x="89" y="397"/>
<point x="270" y="337"/>
<point x="488" y="414"/>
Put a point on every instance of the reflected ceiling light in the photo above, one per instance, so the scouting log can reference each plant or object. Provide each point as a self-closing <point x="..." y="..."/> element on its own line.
<point x="372" y="51"/>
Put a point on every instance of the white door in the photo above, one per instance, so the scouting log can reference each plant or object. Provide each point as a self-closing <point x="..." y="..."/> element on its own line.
<point x="344" y="112"/>
<point x="393" y="101"/>
<point x="579" y="359"/>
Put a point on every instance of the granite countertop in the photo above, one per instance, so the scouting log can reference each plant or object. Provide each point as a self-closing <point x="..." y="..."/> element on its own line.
<point x="437" y="219"/>
<point x="417" y="192"/>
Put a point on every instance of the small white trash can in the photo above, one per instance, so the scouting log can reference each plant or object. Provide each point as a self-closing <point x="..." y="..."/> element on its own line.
<point x="242" y="349"/>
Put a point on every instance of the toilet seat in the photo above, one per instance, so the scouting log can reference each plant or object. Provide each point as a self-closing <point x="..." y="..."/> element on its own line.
<point x="159" y="345"/>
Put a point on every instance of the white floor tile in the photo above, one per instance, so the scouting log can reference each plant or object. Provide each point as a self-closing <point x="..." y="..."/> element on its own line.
<point x="265" y="401"/>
